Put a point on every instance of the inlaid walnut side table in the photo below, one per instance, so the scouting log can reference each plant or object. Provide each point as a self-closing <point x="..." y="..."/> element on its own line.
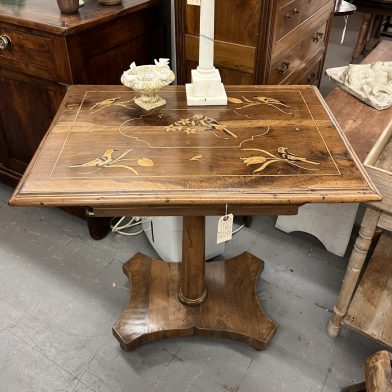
<point x="271" y="150"/>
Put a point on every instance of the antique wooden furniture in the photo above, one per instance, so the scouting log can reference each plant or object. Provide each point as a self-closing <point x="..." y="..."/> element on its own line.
<point x="378" y="372"/>
<point x="259" y="42"/>
<point x="355" y="118"/>
<point x="269" y="151"/>
<point x="374" y="12"/>
<point x="43" y="51"/>
<point x="369" y="311"/>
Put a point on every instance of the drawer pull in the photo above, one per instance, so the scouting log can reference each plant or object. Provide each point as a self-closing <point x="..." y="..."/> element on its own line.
<point x="5" y="42"/>
<point x="317" y="37"/>
<point x="312" y="79"/>
<point x="290" y="14"/>
<point x="283" y="68"/>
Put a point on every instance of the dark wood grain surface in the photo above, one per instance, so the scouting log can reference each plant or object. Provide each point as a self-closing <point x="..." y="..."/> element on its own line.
<point x="231" y="309"/>
<point x="270" y="145"/>
<point x="45" y="15"/>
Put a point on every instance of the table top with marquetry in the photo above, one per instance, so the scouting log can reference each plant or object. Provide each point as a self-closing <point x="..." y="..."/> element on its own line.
<point x="270" y="145"/>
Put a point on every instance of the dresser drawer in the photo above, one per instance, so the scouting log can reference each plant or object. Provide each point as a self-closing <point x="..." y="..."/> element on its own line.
<point x="292" y="13"/>
<point x="310" y="72"/>
<point x="282" y="69"/>
<point x="35" y="54"/>
<point x="30" y="49"/>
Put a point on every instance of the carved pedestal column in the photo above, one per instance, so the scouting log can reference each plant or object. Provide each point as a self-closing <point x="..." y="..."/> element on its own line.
<point x="192" y="289"/>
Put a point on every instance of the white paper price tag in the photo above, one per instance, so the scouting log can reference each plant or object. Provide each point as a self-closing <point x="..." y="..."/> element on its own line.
<point x="225" y="228"/>
<point x="193" y="2"/>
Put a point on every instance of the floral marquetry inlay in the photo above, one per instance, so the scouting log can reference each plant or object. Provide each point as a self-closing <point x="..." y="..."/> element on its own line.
<point x="267" y="159"/>
<point x="256" y="135"/>
<point x="200" y="123"/>
<point x="107" y="161"/>
<point x="257" y="101"/>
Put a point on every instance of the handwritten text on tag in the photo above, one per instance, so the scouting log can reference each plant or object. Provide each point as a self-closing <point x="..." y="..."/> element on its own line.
<point x="225" y="228"/>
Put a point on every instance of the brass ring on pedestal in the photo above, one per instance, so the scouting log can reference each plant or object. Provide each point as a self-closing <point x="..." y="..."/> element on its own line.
<point x="192" y="302"/>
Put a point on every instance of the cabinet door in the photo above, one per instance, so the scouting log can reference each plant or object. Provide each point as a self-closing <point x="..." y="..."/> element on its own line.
<point x="27" y="107"/>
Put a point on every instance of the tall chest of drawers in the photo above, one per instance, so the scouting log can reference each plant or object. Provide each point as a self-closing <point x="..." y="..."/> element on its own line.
<point x="43" y="51"/>
<point x="259" y="41"/>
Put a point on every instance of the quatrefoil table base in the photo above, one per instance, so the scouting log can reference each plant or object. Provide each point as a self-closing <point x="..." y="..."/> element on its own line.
<point x="230" y="310"/>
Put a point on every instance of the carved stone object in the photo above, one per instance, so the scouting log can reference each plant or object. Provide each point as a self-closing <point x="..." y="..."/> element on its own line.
<point x="148" y="80"/>
<point x="371" y="83"/>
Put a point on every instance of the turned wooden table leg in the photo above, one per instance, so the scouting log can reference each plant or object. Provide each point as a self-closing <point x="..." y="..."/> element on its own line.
<point x="357" y="259"/>
<point x="193" y="289"/>
<point x="361" y="36"/>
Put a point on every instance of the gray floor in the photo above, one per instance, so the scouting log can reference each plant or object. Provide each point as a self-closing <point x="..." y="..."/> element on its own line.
<point x="60" y="293"/>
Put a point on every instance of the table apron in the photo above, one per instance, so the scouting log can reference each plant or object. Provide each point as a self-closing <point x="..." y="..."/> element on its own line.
<point x="194" y="210"/>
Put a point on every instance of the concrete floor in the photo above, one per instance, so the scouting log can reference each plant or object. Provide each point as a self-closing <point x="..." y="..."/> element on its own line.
<point x="60" y="293"/>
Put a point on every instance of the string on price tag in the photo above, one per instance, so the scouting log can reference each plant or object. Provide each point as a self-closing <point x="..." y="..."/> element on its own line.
<point x="225" y="228"/>
<point x="193" y="2"/>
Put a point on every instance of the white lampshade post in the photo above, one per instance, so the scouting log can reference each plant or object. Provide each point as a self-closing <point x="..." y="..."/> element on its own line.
<point x="206" y="87"/>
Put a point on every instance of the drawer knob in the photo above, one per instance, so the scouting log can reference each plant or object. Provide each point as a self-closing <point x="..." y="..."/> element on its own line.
<point x="290" y="14"/>
<point x="317" y="37"/>
<point x="5" y="42"/>
<point x="283" y="68"/>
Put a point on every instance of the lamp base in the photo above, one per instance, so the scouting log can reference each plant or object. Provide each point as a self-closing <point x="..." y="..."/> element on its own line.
<point x="206" y="88"/>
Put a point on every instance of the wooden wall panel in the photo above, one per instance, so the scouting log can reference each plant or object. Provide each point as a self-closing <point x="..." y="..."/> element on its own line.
<point x="239" y="20"/>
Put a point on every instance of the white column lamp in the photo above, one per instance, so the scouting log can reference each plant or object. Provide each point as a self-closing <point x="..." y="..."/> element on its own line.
<point x="206" y="87"/>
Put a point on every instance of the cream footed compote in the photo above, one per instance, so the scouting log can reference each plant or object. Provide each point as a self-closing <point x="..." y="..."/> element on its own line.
<point x="149" y="80"/>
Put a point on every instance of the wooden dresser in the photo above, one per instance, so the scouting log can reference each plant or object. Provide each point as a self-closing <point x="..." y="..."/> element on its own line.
<point x="47" y="51"/>
<point x="259" y="41"/>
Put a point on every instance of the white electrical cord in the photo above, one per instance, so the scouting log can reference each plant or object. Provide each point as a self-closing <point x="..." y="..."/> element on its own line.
<point x="344" y="29"/>
<point x="237" y="230"/>
<point x="117" y="228"/>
